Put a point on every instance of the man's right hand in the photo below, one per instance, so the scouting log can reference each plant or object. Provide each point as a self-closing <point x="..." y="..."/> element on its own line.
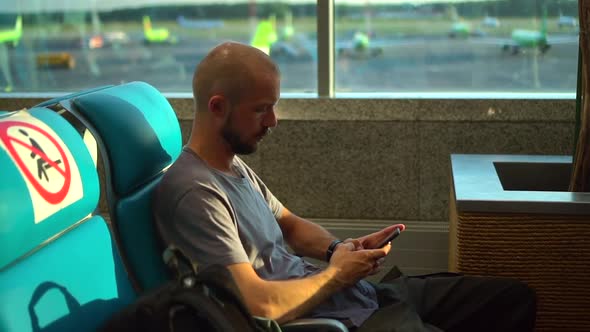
<point x="352" y="265"/>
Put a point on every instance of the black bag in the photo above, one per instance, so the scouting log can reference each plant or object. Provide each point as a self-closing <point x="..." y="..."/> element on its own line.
<point x="205" y="301"/>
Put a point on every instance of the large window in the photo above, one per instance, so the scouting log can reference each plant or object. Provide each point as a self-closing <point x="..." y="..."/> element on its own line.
<point x="389" y="46"/>
<point x="69" y="45"/>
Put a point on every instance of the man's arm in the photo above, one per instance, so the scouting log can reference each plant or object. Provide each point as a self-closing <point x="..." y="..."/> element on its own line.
<point x="306" y="238"/>
<point x="289" y="299"/>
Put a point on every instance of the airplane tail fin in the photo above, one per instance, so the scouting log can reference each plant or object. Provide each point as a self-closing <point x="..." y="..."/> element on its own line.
<point x="18" y="26"/>
<point x="147" y="23"/>
<point x="264" y="36"/>
<point x="18" y="30"/>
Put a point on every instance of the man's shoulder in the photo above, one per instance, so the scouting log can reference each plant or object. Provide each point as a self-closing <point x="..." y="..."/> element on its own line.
<point x="241" y="164"/>
<point x="185" y="173"/>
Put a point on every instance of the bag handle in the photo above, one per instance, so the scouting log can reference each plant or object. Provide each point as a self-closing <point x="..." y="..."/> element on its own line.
<point x="43" y="288"/>
<point x="176" y="260"/>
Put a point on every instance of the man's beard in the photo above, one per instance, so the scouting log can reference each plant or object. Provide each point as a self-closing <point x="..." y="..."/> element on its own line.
<point x="237" y="145"/>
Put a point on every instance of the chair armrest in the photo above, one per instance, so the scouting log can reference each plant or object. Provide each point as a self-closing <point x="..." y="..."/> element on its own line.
<point x="315" y="325"/>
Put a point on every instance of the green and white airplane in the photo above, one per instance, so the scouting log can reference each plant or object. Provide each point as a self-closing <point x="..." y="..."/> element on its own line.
<point x="156" y="35"/>
<point x="531" y="39"/>
<point x="460" y="29"/>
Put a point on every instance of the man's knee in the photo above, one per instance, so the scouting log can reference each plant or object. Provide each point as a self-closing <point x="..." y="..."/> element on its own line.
<point x="523" y="294"/>
<point x="523" y="300"/>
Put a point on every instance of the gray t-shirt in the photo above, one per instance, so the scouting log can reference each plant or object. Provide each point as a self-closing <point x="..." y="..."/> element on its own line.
<point x="220" y="219"/>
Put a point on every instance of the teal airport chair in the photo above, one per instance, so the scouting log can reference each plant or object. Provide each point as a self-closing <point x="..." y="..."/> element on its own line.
<point x="59" y="267"/>
<point x="139" y="137"/>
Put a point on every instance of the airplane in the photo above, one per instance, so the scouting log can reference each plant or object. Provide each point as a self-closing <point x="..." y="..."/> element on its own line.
<point x="536" y="38"/>
<point x="359" y="48"/>
<point x="361" y="45"/>
<point x="523" y="38"/>
<point x="566" y="21"/>
<point x="110" y="39"/>
<point x="9" y="38"/>
<point x="99" y="39"/>
<point x="282" y="45"/>
<point x="490" y="22"/>
<point x="290" y="45"/>
<point x="156" y="36"/>
<point x="460" y="29"/>
<point x="530" y="38"/>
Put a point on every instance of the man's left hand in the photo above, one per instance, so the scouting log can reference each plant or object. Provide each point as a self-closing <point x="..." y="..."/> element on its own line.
<point x="370" y="241"/>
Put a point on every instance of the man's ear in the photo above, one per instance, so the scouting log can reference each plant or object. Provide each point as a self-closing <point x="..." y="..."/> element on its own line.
<point x="217" y="105"/>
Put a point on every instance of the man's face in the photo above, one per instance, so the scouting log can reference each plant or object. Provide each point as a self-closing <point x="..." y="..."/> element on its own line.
<point x="251" y="118"/>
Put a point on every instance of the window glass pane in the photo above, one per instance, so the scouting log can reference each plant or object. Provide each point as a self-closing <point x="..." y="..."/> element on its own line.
<point x="456" y="46"/>
<point x="71" y="45"/>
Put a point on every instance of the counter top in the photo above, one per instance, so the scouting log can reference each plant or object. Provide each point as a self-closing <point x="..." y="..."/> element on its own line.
<point x="516" y="184"/>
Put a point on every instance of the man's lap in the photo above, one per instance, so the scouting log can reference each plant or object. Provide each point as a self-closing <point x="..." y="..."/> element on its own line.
<point x="450" y="301"/>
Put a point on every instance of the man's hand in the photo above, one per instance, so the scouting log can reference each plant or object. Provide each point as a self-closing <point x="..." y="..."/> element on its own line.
<point x="372" y="240"/>
<point x="354" y="264"/>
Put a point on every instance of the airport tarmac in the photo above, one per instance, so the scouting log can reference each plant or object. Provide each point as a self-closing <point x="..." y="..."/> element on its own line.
<point x="426" y="65"/>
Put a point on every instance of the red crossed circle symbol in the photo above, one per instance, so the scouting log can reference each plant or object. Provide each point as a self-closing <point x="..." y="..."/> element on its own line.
<point x="10" y="142"/>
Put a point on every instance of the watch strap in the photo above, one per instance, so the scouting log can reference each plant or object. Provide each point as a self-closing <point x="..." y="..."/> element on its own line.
<point x="331" y="249"/>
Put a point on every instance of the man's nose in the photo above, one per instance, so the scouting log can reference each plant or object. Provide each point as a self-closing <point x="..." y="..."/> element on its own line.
<point x="271" y="120"/>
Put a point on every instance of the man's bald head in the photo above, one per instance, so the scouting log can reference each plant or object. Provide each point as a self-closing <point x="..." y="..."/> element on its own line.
<point x="229" y="70"/>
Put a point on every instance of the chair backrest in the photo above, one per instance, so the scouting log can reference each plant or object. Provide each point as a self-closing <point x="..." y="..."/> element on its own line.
<point x="59" y="268"/>
<point x="139" y="138"/>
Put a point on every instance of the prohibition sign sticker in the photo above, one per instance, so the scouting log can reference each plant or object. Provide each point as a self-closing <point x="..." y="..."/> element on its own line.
<point x="44" y="162"/>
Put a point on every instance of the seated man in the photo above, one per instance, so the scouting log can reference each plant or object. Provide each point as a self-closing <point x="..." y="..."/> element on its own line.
<point x="217" y="210"/>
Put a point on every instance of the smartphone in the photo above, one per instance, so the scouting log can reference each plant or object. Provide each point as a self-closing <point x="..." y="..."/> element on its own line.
<point x="389" y="238"/>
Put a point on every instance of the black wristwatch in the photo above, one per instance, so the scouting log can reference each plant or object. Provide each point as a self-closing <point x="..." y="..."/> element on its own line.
<point x="331" y="248"/>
